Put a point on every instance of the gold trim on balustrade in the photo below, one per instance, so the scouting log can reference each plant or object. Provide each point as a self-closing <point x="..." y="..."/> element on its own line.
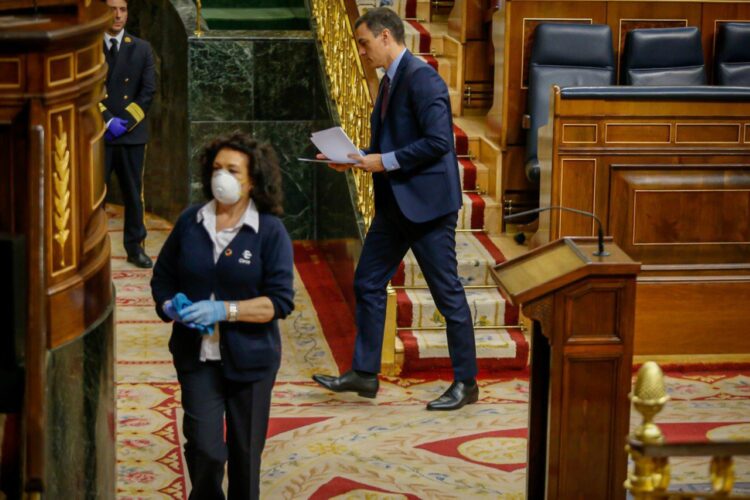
<point x="348" y="86"/>
<point x="63" y="154"/>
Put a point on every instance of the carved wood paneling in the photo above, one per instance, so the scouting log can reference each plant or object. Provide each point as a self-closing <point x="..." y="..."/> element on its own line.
<point x="541" y="311"/>
<point x="592" y="314"/>
<point x="11" y="73"/>
<point x="643" y="133"/>
<point x="708" y="133"/>
<point x="705" y="316"/>
<point x="88" y="60"/>
<point x="577" y="188"/>
<point x="60" y="69"/>
<point x="580" y="133"/>
<point x="689" y="215"/>
<point x="592" y="397"/>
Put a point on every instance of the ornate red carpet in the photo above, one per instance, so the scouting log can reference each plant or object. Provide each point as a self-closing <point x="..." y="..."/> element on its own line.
<point x="323" y="445"/>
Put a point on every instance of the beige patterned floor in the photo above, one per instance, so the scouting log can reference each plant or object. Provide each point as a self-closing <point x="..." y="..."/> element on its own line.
<point x="326" y="445"/>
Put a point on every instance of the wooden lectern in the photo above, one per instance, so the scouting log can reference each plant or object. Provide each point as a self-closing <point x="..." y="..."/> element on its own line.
<point x="583" y="309"/>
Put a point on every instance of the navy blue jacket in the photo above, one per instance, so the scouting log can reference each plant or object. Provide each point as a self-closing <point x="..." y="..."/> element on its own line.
<point x="418" y="126"/>
<point x="131" y="84"/>
<point x="249" y="351"/>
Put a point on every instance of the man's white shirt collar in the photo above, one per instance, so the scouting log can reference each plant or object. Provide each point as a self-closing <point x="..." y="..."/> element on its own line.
<point x="118" y="37"/>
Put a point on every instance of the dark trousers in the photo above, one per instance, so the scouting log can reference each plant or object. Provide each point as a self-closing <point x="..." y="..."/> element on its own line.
<point x="127" y="162"/>
<point x="390" y="236"/>
<point x="206" y="398"/>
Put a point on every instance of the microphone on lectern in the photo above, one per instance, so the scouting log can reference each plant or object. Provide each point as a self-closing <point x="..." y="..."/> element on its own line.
<point x="599" y="253"/>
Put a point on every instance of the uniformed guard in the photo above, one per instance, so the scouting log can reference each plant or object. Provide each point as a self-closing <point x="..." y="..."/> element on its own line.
<point x="130" y="87"/>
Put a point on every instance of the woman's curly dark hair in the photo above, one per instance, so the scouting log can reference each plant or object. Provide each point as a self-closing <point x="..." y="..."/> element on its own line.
<point x="263" y="166"/>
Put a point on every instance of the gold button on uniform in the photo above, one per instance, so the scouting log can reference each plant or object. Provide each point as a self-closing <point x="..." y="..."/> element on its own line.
<point x="125" y="97"/>
<point x="127" y="80"/>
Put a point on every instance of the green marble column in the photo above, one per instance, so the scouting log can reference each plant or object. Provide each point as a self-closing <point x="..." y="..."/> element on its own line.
<point x="267" y="83"/>
<point x="80" y="416"/>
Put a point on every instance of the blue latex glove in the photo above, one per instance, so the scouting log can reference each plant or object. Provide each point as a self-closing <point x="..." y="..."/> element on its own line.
<point x="170" y="311"/>
<point x="116" y="128"/>
<point x="179" y="302"/>
<point x="205" y="312"/>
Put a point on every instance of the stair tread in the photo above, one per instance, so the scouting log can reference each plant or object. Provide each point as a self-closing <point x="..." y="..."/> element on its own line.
<point x="474" y="262"/>
<point x="417" y="309"/>
<point x="434" y="344"/>
<point x="488" y="295"/>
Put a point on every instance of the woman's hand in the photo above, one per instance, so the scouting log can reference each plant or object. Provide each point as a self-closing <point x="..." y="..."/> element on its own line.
<point x="170" y="311"/>
<point x="204" y="312"/>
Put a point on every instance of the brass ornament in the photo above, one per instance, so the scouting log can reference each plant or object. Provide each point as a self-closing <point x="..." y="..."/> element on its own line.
<point x="198" y="7"/>
<point x="649" y="474"/>
<point x="649" y="397"/>
<point x="722" y="474"/>
<point x="61" y="181"/>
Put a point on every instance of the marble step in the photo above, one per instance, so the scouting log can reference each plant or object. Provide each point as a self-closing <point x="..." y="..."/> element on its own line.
<point x="475" y="254"/>
<point x="417" y="310"/>
<point x="430" y="346"/>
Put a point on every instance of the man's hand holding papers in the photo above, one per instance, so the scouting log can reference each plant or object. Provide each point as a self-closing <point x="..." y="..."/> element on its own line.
<point x="369" y="163"/>
<point x="336" y="147"/>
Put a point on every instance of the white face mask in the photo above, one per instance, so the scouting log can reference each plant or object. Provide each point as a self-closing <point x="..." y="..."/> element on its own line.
<point x="225" y="188"/>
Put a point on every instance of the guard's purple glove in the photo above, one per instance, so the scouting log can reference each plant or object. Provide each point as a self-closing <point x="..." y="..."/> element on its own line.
<point x="116" y="128"/>
<point x="204" y="312"/>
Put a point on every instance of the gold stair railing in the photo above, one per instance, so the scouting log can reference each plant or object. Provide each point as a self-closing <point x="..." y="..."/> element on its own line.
<point x="650" y="476"/>
<point x="348" y="86"/>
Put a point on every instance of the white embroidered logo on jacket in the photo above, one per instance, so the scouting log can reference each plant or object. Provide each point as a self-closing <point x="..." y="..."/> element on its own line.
<point x="245" y="259"/>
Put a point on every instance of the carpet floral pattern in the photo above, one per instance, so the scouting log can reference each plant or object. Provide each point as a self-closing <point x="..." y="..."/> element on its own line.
<point x="323" y="445"/>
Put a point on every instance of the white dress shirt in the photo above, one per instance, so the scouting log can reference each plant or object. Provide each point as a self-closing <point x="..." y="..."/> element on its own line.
<point x="221" y="240"/>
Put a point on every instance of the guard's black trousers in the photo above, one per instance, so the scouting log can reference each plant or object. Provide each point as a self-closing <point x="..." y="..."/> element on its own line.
<point x="126" y="161"/>
<point x="206" y="397"/>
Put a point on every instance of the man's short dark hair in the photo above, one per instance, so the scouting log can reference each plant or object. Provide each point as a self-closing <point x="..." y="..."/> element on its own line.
<point x="383" y="18"/>
<point x="263" y="169"/>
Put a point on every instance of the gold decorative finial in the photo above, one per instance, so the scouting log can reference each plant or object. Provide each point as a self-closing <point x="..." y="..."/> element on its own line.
<point x="198" y="31"/>
<point x="649" y="474"/>
<point x="648" y="398"/>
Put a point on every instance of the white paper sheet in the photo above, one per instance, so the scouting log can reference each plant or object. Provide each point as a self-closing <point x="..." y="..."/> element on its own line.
<point x="334" y="143"/>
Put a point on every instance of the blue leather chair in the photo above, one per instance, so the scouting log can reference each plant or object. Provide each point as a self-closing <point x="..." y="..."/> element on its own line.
<point x="567" y="55"/>
<point x="732" y="57"/>
<point x="663" y="56"/>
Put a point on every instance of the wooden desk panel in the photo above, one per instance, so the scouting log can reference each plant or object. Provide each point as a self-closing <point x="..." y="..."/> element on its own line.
<point x="671" y="182"/>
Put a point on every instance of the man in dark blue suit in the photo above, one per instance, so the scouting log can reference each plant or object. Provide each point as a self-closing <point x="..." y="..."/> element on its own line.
<point x="417" y="198"/>
<point x="131" y="84"/>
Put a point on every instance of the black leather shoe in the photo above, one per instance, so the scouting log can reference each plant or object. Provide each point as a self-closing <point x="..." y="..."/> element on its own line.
<point x="140" y="259"/>
<point x="457" y="396"/>
<point x="367" y="387"/>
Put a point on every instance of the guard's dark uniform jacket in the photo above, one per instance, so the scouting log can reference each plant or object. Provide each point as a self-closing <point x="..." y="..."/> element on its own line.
<point x="130" y="88"/>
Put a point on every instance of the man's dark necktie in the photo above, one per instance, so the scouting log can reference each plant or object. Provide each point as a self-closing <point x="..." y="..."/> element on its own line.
<point x="384" y="99"/>
<point x="113" y="50"/>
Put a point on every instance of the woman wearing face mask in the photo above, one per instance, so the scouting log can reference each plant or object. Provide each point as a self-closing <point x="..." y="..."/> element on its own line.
<point x="224" y="276"/>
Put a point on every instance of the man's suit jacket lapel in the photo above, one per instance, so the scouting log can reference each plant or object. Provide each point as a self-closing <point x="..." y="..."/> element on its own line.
<point x="375" y="118"/>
